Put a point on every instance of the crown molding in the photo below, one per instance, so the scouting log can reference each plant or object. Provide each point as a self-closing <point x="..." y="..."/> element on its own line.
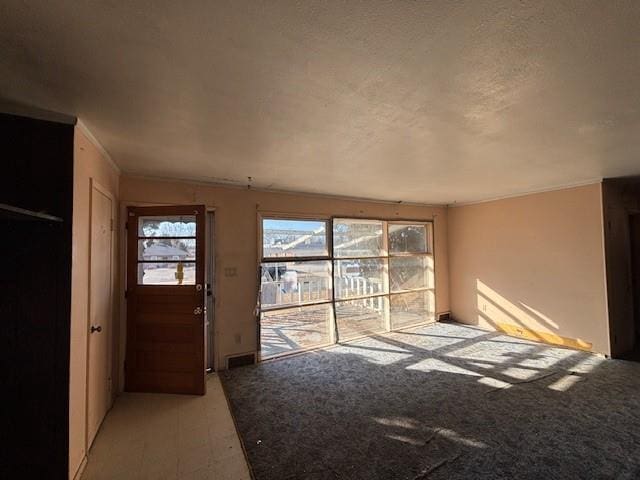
<point x="238" y="185"/>
<point x="92" y="138"/>
<point x="565" y="186"/>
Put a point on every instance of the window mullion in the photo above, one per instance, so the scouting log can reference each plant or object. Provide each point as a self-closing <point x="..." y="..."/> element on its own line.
<point x="387" y="277"/>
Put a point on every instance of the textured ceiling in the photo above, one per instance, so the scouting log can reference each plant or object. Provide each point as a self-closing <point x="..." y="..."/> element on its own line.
<point x="423" y="101"/>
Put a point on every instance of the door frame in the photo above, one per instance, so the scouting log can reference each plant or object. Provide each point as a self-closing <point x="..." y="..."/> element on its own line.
<point x="121" y="341"/>
<point x="210" y="279"/>
<point x="634" y="218"/>
<point x="93" y="184"/>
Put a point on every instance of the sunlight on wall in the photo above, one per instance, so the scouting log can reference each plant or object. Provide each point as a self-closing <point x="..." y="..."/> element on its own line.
<point x="540" y="315"/>
<point x="495" y="311"/>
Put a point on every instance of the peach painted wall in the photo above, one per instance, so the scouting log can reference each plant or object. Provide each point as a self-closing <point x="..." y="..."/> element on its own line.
<point x="89" y="163"/>
<point x="236" y="243"/>
<point x="534" y="261"/>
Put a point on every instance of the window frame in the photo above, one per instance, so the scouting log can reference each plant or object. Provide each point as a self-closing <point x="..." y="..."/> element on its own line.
<point x="385" y="238"/>
<point x="430" y="253"/>
<point x="296" y="305"/>
<point x="142" y="238"/>
<point x="333" y="301"/>
<point x="261" y="217"/>
<point x="329" y="238"/>
<point x="429" y="237"/>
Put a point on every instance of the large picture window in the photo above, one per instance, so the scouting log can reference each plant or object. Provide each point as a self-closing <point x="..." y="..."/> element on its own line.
<point x="323" y="281"/>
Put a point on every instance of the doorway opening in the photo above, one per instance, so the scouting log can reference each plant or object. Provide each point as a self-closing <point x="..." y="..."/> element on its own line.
<point x="634" y="232"/>
<point x="209" y="311"/>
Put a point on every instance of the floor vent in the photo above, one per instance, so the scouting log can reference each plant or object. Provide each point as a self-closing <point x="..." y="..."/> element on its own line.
<point x="444" y="317"/>
<point x="241" y="360"/>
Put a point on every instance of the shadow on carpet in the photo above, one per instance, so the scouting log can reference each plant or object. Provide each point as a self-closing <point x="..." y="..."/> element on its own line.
<point x="443" y="401"/>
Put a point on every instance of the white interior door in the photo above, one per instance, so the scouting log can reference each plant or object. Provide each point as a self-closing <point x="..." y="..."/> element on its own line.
<point x="100" y="311"/>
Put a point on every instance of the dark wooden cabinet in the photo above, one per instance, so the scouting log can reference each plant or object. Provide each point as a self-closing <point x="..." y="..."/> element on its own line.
<point x="36" y="201"/>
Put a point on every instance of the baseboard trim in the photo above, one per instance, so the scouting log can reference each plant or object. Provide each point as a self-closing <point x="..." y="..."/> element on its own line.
<point x="545" y="337"/>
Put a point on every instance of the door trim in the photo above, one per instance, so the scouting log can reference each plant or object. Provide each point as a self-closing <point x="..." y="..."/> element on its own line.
<point x="210" y="278"/>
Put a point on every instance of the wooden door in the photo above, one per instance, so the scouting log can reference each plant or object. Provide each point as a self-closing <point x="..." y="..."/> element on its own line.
<point x="100" y="310"/>
<point x="165" y="300"/>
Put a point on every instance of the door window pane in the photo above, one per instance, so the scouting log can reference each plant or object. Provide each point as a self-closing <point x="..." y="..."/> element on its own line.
<point x="167" y="249"/>
<point x="358" y="238"/>
<point x="291" y="283"/>
<point x="360" y="277"/>
<point x="412" y="308"/>
<point x="177" y="273"/>
<point x="294" y="329"/>
<point x="407" y="238"/>
<point x="169" y="226"/>
<point x="407" y="273"/>
<point x="361" y="317"/>
<point x="294" y="238"/>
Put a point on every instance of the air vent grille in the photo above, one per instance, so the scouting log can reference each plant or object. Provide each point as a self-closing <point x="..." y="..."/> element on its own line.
<point x="241" y="360"/>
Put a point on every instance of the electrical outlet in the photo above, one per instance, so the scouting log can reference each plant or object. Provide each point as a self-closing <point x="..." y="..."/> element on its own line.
<point x="230" y="272"/>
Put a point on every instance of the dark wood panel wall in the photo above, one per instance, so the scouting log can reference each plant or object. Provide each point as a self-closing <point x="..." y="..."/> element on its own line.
<point x="620" y="199"/>
<point x="35" y="293"/>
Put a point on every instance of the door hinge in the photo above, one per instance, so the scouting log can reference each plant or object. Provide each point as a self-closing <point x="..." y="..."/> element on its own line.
<point x="126" y="293"/>
<point x="112" y="224"/>
<point x="126" y="225"/>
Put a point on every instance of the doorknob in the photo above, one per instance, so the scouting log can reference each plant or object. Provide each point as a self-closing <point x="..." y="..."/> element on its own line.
<point x="197" y="310"/>
<point x="96" y="329"/>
